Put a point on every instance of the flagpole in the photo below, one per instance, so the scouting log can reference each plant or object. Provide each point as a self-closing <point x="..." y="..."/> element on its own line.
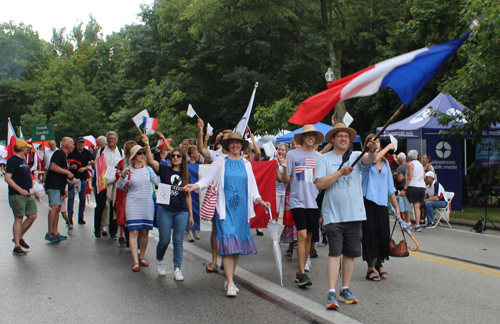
<point x="390" y="121"/>
<point x="139" y="129"/>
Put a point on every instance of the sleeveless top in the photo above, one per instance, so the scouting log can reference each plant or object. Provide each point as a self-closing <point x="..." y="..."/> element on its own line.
<point x="417" y="179"/>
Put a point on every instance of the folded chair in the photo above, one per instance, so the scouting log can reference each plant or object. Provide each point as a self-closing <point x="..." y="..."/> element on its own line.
<point x="444" y="213"/>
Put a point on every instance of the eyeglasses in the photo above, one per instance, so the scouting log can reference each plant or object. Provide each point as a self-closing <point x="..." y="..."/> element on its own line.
<point x="342" y="136"/>
<point x="140" y="153"/>
<point x="177" y="156"/>
<point x="311" y="134"/>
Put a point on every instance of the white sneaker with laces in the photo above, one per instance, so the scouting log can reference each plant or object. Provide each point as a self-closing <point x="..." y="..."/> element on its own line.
<point x="225" y="286"/>
<point x="161" y="268"/>
<point x="308" y="265"/>
<point x="197" y="235"/>
<point x="231" y="290"/>
<point x="190" y="237"/>
<point x="178" y="275"/>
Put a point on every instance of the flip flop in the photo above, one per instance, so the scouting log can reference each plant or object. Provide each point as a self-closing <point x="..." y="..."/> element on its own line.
<point x="288" y="254"/>
<point x="212" y="267"/>
<point x="374" y="278"/>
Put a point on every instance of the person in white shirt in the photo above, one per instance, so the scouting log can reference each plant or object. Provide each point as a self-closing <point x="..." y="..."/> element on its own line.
<point x="436" y="197"/>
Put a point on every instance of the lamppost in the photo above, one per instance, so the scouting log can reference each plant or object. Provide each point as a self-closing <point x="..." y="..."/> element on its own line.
<point x="329" y="76"/>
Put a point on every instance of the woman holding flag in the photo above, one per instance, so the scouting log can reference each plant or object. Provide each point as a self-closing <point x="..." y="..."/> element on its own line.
<point x="175" y="215"/>
<point x="236" y="193"/>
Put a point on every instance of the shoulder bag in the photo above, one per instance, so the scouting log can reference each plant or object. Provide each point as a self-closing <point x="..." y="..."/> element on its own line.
<point x="399" y="250"/>
<point x="208" y="207"/>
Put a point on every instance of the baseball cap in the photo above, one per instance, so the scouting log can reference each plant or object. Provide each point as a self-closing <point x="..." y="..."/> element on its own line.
<point x="429" y="174"/>
<point x="22" y="143"/>
<point x="80" y="139"/>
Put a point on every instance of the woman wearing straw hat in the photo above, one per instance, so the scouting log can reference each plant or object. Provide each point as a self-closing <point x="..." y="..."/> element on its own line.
<point x="139" y="207"/>
<point x="237" y="192"/>
<point x="377" y="185"/>
<point x="298" y="170"/>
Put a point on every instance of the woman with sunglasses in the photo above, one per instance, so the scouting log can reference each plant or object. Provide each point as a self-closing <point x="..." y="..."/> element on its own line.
<point x="175" y="215"/>
<point x="236" y="195"/>
<point x="139" y="207"/>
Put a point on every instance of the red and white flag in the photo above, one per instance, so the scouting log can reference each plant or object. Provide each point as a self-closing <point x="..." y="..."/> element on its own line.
<point x="11" y="139"/>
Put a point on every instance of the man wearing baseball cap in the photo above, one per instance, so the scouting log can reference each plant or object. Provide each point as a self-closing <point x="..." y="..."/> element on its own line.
<point x="79" y="161"/>
<point x="342" y="208"/>
<point x="18" y="177"/>
<point x="298" y="170"/>
<point x="436" y="197"/>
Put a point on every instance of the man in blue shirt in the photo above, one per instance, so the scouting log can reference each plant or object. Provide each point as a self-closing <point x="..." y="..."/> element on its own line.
<point x="343" y="209"/>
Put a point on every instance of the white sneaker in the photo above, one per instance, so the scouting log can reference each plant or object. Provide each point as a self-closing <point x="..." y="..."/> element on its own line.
<point x="190" y="237"/>
<point x="231" y="290"/>
<point x="178" y="275"/>
<point x="225" y="287"/>
<point x="197" y="235"/>
<point x="308" y="265"/>
<point x="161" y="268"/>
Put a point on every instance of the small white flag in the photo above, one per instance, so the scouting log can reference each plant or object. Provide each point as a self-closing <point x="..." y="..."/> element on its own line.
<point x="347" y="120"/>
<point x="139" y="118"/>
<point x="269" y="149"/>
<point x="242" y="125"/>
<point x="394" y="141"/>
<point x="190" y="112"/>
<point x="210" y="129"/>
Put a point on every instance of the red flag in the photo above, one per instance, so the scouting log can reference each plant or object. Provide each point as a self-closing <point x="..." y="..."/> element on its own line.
<point x="11" y="139"/>
<point x="101" y="168"/>
<point x="265" y="175"/>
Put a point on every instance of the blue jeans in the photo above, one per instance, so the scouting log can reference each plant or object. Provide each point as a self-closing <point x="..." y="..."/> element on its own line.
<point x="167" y="221"/>
<point x="71" y="201"/>
<point x="430" y="205"/>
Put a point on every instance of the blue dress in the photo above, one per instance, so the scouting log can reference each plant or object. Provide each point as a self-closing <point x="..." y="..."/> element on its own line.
<point x="233" y="234"/>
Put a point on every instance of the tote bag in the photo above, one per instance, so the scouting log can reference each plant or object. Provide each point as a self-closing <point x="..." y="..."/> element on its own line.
<point x="208" y="207"/>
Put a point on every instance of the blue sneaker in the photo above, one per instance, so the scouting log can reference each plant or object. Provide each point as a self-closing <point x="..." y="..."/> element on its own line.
<point x="51" y="238"/>
<point x="331" y="302"/>
<point x="61" y="237"/>
<point x="347" y="297"/>
<point x="304" y="280"/>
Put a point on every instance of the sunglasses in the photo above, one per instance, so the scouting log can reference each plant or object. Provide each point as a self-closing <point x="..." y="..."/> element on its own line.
<point x="177" y="156"/>
<point x="140" y="153"/>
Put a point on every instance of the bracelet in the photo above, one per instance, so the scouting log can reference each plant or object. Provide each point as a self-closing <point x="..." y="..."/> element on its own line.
<point x="373" y="151"/>
<point x="123" y="177"/>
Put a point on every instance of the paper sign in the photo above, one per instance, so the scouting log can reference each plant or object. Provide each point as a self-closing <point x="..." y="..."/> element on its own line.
<point x="394" y="141"/>
<point x="269" y="149"/>
<point x="210" y="129"/>
<point x="347" y="119"/>
<point x="163" y="196"/>
<point x="110" y="174"/>
<point x="139" y="118"/>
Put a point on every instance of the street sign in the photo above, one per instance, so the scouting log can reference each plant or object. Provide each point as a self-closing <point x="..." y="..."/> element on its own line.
<point x="40" y="133"/>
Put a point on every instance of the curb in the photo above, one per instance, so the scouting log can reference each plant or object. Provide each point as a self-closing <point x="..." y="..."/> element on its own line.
<point x="471" y="222"/>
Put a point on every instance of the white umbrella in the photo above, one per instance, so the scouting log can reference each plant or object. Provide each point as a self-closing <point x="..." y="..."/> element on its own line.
<point x="275" y="230"/>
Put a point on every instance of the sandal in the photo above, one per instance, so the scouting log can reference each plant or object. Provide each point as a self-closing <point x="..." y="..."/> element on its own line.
<point x="288" y="254"/>
<point x="382" y="274"/>
<point x="136" y="268"/>
<point x="143" y="262"/>
<point x="212" y="267"/>
<point x="374" y="278"/>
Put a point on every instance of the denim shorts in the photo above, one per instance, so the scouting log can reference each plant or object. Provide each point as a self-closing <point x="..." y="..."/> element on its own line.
<point x="54" y="197"/>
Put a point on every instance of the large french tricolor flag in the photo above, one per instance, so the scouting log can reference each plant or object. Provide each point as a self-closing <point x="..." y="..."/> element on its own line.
<point x="406" y="74"/>
<point x="265" y="175"/>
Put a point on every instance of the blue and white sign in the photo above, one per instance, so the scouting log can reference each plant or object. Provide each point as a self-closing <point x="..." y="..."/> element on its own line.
<point x="488" y="153"/>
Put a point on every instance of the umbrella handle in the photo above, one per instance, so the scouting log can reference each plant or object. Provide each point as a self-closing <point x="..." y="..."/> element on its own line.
<point x="412" y="249"/>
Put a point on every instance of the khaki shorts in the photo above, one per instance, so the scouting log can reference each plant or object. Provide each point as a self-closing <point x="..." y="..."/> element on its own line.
<point x="23" y="206"/>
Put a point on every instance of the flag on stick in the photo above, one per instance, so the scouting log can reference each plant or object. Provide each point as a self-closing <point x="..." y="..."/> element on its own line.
<point x="210" y="129"/>
<point x="406" y="74"/>
<point x="11" y="139"/>
<point x="190" y="112"/>
<point x="150" y="123"/>
<point x="242" y="125"/>
<point x="139" y="119"/>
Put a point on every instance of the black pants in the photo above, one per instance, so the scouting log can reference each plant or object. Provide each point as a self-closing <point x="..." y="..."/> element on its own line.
<point x="101" y="202"/>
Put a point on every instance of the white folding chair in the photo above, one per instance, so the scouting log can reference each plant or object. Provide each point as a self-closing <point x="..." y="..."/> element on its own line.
<point x="444" y="213"/>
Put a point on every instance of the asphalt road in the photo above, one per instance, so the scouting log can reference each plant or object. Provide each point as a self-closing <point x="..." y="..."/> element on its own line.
<point x="454" y="278"/>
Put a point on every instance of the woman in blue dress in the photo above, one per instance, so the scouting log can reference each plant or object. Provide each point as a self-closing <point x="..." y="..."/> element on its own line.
<point x="236" y="193"/>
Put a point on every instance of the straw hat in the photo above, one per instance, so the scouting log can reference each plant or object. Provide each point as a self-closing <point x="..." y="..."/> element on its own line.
<point x="236" y="136"/>
<point x="134" y="150"/>
<point x="340" y="127"/>
<point x="307" y="129"/>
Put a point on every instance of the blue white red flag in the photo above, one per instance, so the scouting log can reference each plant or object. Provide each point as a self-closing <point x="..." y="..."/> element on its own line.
<point x="150" y="123"/>
<point x="406" y="74"/>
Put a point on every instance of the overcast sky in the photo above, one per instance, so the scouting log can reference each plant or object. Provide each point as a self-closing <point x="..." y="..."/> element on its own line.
<point x="44" y="15"/>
